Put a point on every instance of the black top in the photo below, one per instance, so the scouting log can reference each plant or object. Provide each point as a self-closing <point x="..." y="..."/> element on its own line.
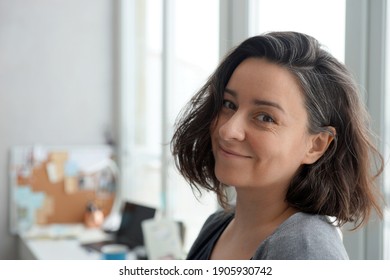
<point x="208" y="236"/>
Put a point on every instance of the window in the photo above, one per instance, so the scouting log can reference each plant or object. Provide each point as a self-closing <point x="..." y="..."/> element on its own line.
<point x="386" y="229"/>
<point x="322" y="19"/>
<point x="169" y="48"/>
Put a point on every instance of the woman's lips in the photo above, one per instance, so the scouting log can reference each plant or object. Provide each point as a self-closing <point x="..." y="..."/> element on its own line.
<point x="231" y="153"/>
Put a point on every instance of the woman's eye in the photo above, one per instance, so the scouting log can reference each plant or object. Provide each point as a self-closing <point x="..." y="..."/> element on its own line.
<point x="229" y="105"/>
<point x="265" y="118"/>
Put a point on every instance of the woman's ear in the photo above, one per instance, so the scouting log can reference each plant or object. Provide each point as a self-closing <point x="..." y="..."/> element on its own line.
<point x="319" y="144"/>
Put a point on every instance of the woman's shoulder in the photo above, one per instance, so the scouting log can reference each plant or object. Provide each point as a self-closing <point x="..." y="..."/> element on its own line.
<point x="212" y="228"/>
<point x="304" y="236"/>
<point x="215" y="222"/>
<point x="306" y="221"/>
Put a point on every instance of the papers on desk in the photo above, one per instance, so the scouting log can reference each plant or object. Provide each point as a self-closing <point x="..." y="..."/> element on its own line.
<point x="66" y="231"/>
<point x="162" y="239"/>
<point x="54" y="231"/>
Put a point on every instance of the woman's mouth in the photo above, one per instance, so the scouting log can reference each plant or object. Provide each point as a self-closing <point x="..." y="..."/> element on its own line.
<point x="231" y="153"/>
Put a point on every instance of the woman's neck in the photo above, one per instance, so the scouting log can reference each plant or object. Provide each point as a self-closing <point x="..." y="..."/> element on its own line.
<point x="254" y="208"/>
<point x="256" y="217"/>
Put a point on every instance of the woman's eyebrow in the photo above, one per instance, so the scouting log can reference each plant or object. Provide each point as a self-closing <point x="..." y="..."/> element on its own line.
<point x="257" y="102"/>
<point x="231" y="92"/>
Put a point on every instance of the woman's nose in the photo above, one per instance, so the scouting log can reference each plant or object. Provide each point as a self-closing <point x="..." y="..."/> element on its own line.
<point x="233" y="128"/>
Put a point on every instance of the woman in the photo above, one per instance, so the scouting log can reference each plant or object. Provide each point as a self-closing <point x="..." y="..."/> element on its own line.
<point x="281" y="121"/>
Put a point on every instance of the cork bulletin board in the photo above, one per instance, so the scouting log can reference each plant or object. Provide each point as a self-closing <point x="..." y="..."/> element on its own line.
<point x="54" y="185"/>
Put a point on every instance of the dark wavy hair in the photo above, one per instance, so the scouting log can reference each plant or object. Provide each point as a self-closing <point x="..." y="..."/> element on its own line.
<point x="342" y="182"/>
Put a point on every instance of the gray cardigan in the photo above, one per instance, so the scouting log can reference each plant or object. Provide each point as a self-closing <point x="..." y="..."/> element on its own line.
<point x="301" y="237"/>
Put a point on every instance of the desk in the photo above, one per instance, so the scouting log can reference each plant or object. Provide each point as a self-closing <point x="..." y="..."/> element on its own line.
<point x="46" y="249"/>
<point x="61" y="248"/>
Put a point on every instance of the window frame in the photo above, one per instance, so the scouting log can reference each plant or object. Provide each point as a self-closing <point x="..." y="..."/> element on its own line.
<point x="365" y="52"/>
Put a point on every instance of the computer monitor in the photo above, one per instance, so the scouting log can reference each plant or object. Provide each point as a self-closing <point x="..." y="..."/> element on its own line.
<point x="130" y="229"/>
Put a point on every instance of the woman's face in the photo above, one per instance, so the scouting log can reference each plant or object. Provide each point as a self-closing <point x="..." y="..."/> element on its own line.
<point x="260" y="136"/>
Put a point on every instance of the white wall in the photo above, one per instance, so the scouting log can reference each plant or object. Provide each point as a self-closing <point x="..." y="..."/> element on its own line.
<point x="56" y="82"/>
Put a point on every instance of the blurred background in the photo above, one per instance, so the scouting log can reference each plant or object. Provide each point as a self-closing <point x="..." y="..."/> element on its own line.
<point x="117" y="73"/>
